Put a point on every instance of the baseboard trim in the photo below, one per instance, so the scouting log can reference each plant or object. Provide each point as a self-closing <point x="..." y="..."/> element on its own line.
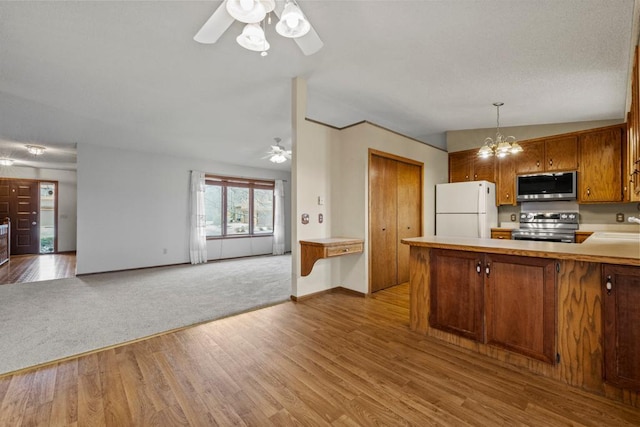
<point x="338" y="289"/>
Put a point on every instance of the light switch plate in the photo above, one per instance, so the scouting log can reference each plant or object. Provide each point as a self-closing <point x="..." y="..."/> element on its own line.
<point x="320" y="218"/>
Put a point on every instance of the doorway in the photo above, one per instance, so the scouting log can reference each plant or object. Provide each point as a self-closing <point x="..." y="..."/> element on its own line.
<point x="20" y="203"/>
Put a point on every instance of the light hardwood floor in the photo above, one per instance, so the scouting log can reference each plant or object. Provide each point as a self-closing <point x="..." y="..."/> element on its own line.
<point x="34" y="268"/>
<point x="336" y="359"/>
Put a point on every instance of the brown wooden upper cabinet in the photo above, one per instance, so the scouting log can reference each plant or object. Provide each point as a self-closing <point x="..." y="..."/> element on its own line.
<point x="553" y="154"/>
<point x="600" y="173"/>
<point x="467" y="166"/>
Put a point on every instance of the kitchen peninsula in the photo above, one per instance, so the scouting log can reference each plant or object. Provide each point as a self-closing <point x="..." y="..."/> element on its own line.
<point x="563" y="310"/>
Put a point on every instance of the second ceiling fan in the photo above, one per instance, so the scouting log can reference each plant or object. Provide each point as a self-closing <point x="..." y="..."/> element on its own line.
<point x="293" y="24"/>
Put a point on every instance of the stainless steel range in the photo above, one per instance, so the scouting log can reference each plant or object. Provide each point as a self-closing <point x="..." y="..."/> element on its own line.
<point x="547" y="226"/>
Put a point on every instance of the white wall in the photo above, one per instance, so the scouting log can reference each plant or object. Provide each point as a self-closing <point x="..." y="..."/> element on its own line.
<point x="67" y="183"/>
<point x="333" y="164"/>
<point x="132" y="206"/>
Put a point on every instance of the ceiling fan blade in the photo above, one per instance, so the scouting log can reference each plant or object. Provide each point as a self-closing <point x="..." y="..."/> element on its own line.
<point x="215" y="25"/>
<point x="310" y="43"/>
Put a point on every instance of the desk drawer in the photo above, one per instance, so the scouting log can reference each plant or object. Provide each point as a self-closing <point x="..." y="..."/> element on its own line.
<point x="344" y="249"/>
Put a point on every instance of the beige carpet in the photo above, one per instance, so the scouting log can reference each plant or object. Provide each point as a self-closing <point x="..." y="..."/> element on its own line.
<point x="45" y="321"/>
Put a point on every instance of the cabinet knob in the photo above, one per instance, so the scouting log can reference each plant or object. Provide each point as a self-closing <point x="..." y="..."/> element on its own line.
<point x="466" y="177"/>
<point x="478" y="267"/>
<point x="538" y="163"/>
<point x="550" y="162"/>
<point x="384" y="229"/>
<point x="487" y="269"/>
<point x="475" y="176"/>
<point x="507" y="195"/>
<point x="588" y="191"/>
<point x="609" y="285"/>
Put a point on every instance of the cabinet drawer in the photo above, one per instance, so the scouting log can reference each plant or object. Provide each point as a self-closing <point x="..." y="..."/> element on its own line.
<point x="343" y="249"/>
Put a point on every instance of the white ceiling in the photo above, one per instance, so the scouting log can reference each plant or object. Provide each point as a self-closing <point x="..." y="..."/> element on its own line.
<point x="128" y="74"/>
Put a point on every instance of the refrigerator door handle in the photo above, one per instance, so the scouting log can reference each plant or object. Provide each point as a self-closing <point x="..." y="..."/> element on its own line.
<point x="478" y="210"/>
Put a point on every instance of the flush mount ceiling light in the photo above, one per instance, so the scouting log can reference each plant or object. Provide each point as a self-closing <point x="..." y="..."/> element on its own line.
<point x="36" y="150"/>
<point x="277" y="153"/>
<point x="502" y="145"/>
<point x="292" y="22"/>
<point x="4" y="161"/>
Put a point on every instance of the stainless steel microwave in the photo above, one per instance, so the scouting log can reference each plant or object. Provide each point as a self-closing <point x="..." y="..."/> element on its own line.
<point x="546" y="186"/>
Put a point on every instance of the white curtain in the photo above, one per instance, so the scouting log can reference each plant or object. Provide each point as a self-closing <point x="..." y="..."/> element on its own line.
<point x="278" y="218"/>
<point x="198" y="236"/>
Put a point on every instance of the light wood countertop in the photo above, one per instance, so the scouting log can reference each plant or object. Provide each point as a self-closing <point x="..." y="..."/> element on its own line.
<point x="605" y="251"/>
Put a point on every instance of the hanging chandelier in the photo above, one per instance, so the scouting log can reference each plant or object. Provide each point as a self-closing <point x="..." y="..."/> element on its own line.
<point x="501" y="146"/>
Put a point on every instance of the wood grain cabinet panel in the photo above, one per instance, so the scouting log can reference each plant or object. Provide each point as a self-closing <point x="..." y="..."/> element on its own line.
<point x="457" y="293"/>
<point x="506" y="182"/>
<point x="600" y="173"/>
<point x="561" y="153"/>
<point x="460" y="167"/>
<point x="520" y="305"/>
<point x="497" y="233"/>
<point x="467" y="166"/>
<point x="621" y="295"/>
<point x="531" y="159"/>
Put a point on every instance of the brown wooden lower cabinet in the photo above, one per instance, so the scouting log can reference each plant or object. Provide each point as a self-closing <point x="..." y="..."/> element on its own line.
<point x="621" y="295"/>
<point x="457" y="293"/>
<point x="512" y="298"/>
<point x="520" y="305"/>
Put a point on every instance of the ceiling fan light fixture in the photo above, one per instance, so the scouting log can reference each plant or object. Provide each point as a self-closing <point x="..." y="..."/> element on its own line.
<point x="253" y="38"/>
<point x="36" y="150"/>
<point x="278" y="158"/>
<point x="247" y="11"/>
<point x="292" y="22"/>
<point x="5" y="161"/>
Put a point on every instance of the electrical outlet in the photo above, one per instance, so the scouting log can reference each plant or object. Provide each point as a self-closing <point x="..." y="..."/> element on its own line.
<point x="513" y="217"/>
<point x="619" y="217"/>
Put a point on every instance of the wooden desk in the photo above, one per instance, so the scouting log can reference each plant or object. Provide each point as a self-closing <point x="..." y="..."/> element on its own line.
<point x="315" y="249"/>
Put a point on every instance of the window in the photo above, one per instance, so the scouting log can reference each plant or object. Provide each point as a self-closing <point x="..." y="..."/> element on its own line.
<point x="237" y="207"/>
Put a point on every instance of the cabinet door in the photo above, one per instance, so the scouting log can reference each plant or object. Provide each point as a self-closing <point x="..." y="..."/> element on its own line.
<point x="520" y="305"/>
<point x="531" y="159"/>
<point x="622" y="325"/>
<point x="483" y="169"/>
<point x="600" y="177"/>
<point x="456" y="293"/>
<point x="506" y="185"/>
<point x="460" y="165"/>
<point x="383" y="214"/>
<point x="561" y="153"/>
<point x="409" y="213"/>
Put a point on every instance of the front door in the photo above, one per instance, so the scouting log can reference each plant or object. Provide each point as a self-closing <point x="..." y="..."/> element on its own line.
<point x="19" y="203"/>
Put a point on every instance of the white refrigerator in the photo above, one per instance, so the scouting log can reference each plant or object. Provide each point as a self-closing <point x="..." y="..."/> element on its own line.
<point x="466" y="209"/>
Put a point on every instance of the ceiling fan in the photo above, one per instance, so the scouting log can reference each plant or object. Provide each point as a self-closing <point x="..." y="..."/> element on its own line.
<point x="292" y="24"/>
<point x="277" y="153"/>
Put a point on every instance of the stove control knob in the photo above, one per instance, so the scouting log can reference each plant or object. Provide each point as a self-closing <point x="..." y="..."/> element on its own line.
<point x="572" y="216"/>
<point x="563" y="216"/>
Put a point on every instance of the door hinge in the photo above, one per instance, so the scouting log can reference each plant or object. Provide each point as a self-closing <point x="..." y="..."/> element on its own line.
<point x="557" y="357"/>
